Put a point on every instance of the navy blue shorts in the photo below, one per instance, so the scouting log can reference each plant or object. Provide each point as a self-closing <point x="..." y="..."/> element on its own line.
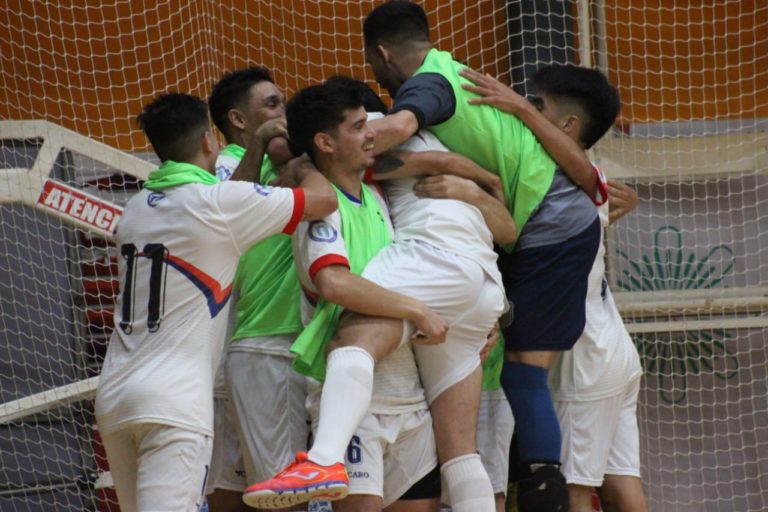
<point x="547" y="287"/>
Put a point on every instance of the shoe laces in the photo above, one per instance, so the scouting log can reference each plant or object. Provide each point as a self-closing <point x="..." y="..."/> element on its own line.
<point x="301" y="458"/>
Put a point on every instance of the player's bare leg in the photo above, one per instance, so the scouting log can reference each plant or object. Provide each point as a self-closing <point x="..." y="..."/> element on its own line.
<point x="454" y="413"/>
<point x="501" y="501"/>
<point x="541" y="358"/>
<point x="359" y="503"/>
<point x="222" y="500"/>
<point x="581" y="498"/>
<point x="622" y="493"/>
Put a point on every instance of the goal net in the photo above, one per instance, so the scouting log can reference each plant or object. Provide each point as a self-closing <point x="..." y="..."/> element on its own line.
<point x="688" y="267"/>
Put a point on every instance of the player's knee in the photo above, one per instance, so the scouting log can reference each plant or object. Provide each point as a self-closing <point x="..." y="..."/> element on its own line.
<point x="622" y="500"/>
<point x="544" y="490"/>
<point x="338" y="342"/>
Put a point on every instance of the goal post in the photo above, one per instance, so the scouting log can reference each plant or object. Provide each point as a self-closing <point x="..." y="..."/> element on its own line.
<point x="688" y="267"/>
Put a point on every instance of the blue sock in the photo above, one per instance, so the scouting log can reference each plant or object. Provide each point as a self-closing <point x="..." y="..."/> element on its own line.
<point x="536" y="425"/>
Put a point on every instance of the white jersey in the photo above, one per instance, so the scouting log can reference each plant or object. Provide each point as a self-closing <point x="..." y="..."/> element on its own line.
<point x="604" y="359"/>
<point x="179" y="251"/>
<point x="225" y="166"/>
<point x="448" y="224"/>
<point x="396" y="384"/>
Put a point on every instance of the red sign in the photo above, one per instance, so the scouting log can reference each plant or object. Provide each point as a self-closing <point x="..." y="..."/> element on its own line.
<point x="73" y="204"/>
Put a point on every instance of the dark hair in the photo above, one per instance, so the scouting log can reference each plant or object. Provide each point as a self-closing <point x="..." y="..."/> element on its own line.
<point x="371" y="101"/>
<point x="174" y="124"/>
<point x="396" y="22"/>
<point x="589" y="89"/>
<point x="232" y="92"/>
<point x="318" y="108"/>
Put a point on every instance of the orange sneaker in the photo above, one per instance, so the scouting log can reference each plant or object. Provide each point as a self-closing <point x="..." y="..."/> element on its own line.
<point x="301" y="481"/>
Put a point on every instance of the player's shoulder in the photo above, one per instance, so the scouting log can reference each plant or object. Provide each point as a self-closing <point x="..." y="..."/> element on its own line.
<point x="232" y="189"/>
<point x="321" y="229"/>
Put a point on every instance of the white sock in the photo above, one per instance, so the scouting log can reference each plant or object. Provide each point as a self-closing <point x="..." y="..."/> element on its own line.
<point x="344" y="401"/>
<point x="469" y="488"/>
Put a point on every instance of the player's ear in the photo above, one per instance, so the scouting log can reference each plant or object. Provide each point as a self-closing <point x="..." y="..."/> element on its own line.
<point x="236" y="118"/>
<point x="209" y="143"/>
<point x="570" y="124"/>
<point x="324" y="142"/>
<point x="385" y="54"/>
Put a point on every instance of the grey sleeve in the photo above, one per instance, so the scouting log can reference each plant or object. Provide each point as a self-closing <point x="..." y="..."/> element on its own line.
<point x="429" y="96"/>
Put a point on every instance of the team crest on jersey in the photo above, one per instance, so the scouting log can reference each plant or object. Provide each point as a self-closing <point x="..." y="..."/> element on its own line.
<point x="223" y="172"/>
<point x="320" y="231"/>
<point x="154" y="198"/>
<point x="264" y="190"/>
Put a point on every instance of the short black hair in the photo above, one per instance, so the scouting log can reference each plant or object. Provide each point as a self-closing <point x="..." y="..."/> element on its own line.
<point x="174" y="124"/>
<point x="587" y="88"/>
<point x="371" y="101"/>
<point x="232" y="92"/>
<point x="318" y="108"/>
<point x="396" y="22"/>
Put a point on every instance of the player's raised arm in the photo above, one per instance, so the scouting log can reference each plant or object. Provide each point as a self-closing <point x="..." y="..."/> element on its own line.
<point x="393" y="130"/>
<point x="319" y="198"/>
<point x="249" y="168"/>
<point x="565" y="151"/>
<point x="400" y="164"/>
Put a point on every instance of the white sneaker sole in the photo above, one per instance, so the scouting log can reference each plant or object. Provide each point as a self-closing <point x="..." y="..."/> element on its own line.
<point x="268" y="499"/>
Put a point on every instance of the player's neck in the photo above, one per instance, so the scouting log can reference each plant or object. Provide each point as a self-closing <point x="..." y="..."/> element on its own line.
<point x="204" y="162"/>
<point x="410" y="62"/>
<point x="343" y="176"/>
<point x="348" y="182"/>
<point x="239" y="138"/>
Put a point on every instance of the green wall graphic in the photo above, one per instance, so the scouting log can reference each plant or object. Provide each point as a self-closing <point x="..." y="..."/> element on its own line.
<point x="674" y="356"/>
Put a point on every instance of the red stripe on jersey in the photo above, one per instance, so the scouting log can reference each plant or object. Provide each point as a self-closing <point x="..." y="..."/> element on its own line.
<point x="601" y="194"/>
<point x="216" y="295"/>
<point x="326" y="261"/>
<point x="368" y="175"/>
<point x="299" y="202"/>
<point x="311" y="296"/>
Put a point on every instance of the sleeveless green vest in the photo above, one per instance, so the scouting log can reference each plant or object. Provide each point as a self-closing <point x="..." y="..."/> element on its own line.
<point x="496" y="141"/>
<point x="268" y="301"/>
<point x="365" y="231"/>
<point x="236" y="151"/>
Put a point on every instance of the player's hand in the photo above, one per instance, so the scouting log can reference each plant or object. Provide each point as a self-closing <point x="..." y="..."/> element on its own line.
<point x="490" y="342"/>
<point x="622" y="199"/>
<point x="277" y="127"/>
<point x="492" y="92"/>
<point x="430" y="328"/>
<point x="293" y="172"/>
<point x="279" y="151"/>
<point x="445" y="186"/>
<point x="493" y="187"/>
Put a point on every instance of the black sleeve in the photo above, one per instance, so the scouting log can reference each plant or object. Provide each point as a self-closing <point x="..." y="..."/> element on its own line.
<point x="429" y="96"/>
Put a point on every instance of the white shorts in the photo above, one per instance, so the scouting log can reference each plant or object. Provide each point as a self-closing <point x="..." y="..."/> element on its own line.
<point x="158" y="467"/>
<point x="269" y="402"/>
<point x="495" y="426"/>
<point x="390" y="453"/>
<point x="227" y="466"/>
<point x="454" y="287"/>
<point x="600" y="437"/>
